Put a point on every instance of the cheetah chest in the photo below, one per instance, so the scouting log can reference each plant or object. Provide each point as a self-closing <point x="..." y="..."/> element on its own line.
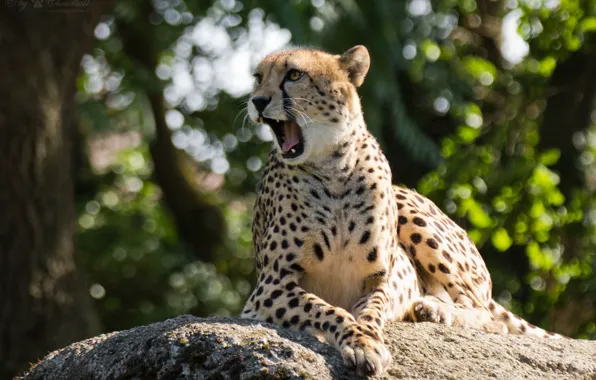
<point x="336" y="268"/>
<point x="339" y="284"/>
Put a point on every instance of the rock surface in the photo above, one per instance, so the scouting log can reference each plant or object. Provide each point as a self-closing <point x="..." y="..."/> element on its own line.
<point x="188" y="347"/>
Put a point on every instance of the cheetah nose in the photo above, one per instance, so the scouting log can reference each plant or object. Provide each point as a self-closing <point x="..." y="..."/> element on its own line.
<point x="261" y="102"/>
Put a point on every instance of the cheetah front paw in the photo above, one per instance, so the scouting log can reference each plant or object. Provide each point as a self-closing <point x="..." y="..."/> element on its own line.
<point x="368" y="355"/>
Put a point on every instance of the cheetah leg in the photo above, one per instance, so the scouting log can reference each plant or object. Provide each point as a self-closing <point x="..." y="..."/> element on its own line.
<point x="432" y="309"/>
<point x="371" y="311"/>
<point x="438" y="306"/>
<point x="288" y="305"/>
<point x="373" y="308"/>
<point x="515" y="324"/>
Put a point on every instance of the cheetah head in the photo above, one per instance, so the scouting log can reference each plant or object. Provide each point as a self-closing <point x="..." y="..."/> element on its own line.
<point x="309" y="99"/>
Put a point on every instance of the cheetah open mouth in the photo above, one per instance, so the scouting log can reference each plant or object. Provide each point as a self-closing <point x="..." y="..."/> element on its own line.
<point x="289" y="136"/>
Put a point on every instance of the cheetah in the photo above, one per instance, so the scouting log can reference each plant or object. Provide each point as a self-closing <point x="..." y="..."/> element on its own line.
<point x="339" y="249"/>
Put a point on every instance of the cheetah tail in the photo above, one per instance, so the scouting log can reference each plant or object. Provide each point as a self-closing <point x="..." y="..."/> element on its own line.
<point x="516" y="325"/>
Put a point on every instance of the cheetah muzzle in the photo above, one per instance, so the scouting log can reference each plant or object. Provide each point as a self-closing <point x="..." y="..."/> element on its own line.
<point x="339" y="249"/>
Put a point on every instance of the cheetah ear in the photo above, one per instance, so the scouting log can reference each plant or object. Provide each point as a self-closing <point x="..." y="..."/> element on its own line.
<point x="355" y="62"/>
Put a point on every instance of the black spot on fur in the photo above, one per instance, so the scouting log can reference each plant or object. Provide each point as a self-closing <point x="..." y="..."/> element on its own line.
<point x="364" y="238"/>
<point x="416" y="238"/>
<point x="297" y="267"/>
<point x="419" y="222"/>
<point x="318" y="251"/>
<point x="279" y="313"/>
<point x="432" y="243"/>
<point x="325" y="239"/>
<point x="372" y="255"/>
<point x="444" y="269"/>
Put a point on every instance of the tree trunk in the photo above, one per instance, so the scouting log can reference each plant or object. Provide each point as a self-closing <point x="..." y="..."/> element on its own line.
<point x="43" y="303"/>
<point x="199" y="222"/>
<point x="568" y="108"/>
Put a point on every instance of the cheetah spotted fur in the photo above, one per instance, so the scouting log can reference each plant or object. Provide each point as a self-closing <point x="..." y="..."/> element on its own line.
<point x="339" y="249"/>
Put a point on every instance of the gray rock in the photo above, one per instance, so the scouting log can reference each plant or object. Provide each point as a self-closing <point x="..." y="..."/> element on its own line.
<point x="188" y="347"/>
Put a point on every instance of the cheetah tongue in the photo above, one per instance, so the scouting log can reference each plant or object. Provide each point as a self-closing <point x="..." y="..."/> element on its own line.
<point x="291" y="135"/>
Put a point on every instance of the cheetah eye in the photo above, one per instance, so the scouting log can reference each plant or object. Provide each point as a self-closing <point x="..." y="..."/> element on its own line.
<point x="258" y="78"/>
<point x="294" y="75"/>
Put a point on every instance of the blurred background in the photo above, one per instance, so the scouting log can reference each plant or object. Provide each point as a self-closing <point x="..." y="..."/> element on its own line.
<point x="128" y="169"/>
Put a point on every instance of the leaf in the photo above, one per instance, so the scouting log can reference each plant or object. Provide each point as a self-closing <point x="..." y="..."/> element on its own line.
<point x="550" y="157"/>
<point x="555" y="197"/>
<point x="476" y="213"/>
<point x="501" y="239"/>
<point x="468" y="134"/>
<point x="480" y="69"/>
<point x="431" y="50"/>
<point x="588" y="24"/>
<point x="547" y="65"/>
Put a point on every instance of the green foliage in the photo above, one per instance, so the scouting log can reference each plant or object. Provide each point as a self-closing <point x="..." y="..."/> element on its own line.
<point x="139" y="271"/>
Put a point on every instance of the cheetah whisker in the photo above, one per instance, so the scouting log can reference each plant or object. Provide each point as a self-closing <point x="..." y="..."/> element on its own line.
<point x="296" y="103"/>
<point x="306" y="100"/>
<point x="241" y="112"/>
<point x="304" y="116"/>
